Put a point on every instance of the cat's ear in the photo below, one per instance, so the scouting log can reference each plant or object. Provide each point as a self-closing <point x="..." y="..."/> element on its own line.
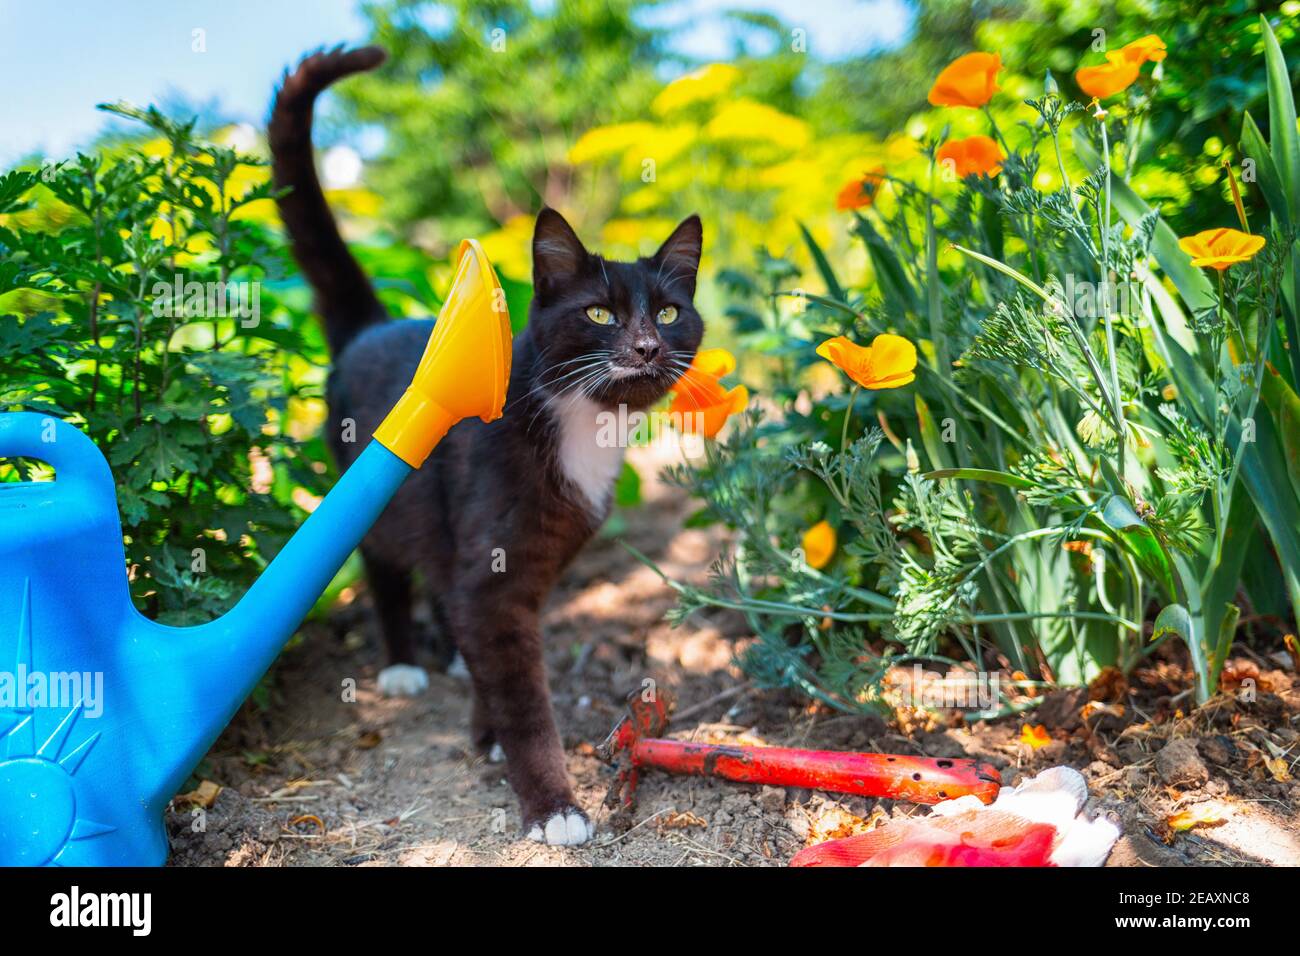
<point x="558" y="253"/>
<point x="679" y="256"/>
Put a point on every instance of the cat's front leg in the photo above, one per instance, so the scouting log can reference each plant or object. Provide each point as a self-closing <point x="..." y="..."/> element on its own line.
<point x="509" y="676"/>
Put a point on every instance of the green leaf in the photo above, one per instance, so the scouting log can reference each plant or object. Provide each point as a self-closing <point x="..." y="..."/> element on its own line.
<point x="627" y="489"/>
<point x="1263" y="469"/>
<point x="833" y="287"/>
<point x="1266" y="175"/>
<point x="13" y="188"/>
<point x="889" y="271"/>
<point x="1281" y="120"/>
<point x="1220" y="589"/>
<point x="156" y="453"/>
<point x="1140" y="541"/>
<point x="982" y="474"/>
<point x="1285" y="406"/>
<point x="930" y="437"/>
<point x="1173" y="619"/>
<point x="519" y="296"/>
<point x="822" y="300"/>
<point x="1005" y="269"/>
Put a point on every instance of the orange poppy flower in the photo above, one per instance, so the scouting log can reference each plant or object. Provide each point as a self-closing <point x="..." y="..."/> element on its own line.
<point x="973" y="156"/>
<point x="819" y="544"/>
<point x="1220" y="248"/>
<point x="699" y="398"/>
<point x="1035" y="737"/>
<point x="1150" y="47"/>
<point x="1113" y="76"/>
<point x="888" y="362"/>
<point x="861" y="192"/>
<point x="969" y="80"/>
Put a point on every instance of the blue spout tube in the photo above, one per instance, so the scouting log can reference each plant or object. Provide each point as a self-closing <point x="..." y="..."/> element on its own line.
<point x="229" y="655"/>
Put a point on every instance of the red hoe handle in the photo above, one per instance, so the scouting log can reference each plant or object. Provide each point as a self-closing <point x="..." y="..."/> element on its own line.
<point x="896" y="777"/>
<point x="633" y="744"/>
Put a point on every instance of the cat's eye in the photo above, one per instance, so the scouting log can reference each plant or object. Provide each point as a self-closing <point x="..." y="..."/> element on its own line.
<point x="599" y="315"/>
<point x="668" y="315"/>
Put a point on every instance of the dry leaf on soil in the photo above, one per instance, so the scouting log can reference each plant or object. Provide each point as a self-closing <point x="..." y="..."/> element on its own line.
<point x="204" y="795"/>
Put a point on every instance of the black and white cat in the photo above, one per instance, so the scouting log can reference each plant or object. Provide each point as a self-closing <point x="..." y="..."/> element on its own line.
<point x="497" y="512"/>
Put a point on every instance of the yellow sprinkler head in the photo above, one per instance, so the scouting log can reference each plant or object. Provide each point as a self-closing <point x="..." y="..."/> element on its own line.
<point x="466" y="364"/>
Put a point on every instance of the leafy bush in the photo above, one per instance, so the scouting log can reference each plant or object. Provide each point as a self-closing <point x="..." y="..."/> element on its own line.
<point x="132" y="303"/>
<point x="1098" y="434"/>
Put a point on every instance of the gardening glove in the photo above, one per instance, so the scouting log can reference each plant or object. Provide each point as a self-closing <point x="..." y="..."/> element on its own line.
<point x="1038" y="823"/>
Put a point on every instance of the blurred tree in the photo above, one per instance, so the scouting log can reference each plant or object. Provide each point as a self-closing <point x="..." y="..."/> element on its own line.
<point x="480" y="102"/>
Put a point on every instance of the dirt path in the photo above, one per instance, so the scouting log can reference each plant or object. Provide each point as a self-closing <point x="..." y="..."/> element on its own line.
<point x="309" y="779"/>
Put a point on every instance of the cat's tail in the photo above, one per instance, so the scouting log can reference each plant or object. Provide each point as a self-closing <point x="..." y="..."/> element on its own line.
<point x="344" y="296"/>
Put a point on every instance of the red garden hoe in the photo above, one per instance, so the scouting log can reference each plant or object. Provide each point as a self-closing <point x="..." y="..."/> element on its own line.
<point x="634" y="744"/>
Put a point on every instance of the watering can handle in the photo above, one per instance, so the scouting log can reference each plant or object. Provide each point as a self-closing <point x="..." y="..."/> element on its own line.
<point x="79" y="466"/>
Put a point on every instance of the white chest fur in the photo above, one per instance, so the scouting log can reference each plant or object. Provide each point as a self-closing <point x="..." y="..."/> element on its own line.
<point x="587" y="459"/>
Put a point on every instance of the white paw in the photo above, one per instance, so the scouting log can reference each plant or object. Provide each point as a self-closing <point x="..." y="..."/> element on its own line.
<point x="496" y="754"/>
<point x="457" y="668"/>
<point x="403" y="680"/>
<point x="569" y="828"/>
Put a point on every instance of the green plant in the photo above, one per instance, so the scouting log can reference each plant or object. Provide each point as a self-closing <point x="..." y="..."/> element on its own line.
<point x="1104" y="440"/>
<point x="132" y="302"/>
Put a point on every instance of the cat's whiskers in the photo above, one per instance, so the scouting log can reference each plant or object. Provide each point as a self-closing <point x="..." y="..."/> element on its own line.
<point x="588" y="371"/>
<point x="592" y="360"/>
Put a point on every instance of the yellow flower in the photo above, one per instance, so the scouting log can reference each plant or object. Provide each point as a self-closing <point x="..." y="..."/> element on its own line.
<point x="1035" y="737"/>
<point x="819" y="544"/>
<point x="888" y="362"/>
<point x="861" y="192"/>
<point x="973" y="156"/>
<point x="1220" y="248"/>
<point x="1150" y="47"/>
<point x="969" y="80"/>
<point x="604" y="142"/>
<point x="707" y="83"/>
<point x="1111" y="77"/>
<point x="699" y="398"/>
<point x="748" y="120"/>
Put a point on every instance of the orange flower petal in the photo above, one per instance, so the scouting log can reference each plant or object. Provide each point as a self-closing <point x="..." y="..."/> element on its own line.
<point x="819" y="544"/>
<point x="860" y="192"/>
<point x="1149" y="47"/>
<point x="715" y="362"/>
<point x="969" y="80"/>
<point x="699" y="399"/>
<point x="1221" y="248"/>
<point x="739" y="399"/>
<point x="888" y="362"/>
<point x="892" y="381"/>
<point x="973" y="156"/>
<point x="1035" y="737"/>
<point x="1111" y="77"/>
<point x="841" y="352"/>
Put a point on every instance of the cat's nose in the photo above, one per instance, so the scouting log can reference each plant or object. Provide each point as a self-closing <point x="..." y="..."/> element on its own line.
<point x="648" y="349"/>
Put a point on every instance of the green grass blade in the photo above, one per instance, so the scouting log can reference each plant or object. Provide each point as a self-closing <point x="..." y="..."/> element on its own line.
<point x="981" y="474"/>
<point x="1254" y="146"/>
<point x="833" y="287"/>
<point x="1006" y="270"/>
<point x="1281" y="119"/>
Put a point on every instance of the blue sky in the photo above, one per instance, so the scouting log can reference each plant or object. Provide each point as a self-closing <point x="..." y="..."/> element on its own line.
<point x="57" y="60"/>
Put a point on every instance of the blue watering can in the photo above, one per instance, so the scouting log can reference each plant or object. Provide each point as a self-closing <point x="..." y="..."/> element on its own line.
<point x="105" y="712"/>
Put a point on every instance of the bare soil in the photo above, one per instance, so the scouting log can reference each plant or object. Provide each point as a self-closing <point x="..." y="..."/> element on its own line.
<point x="309" y="778"/>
